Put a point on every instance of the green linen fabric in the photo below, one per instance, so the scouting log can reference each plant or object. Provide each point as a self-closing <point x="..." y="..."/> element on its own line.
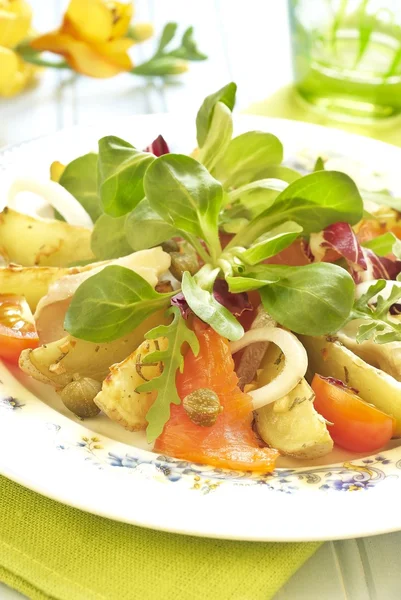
<point x="52" y="551"/>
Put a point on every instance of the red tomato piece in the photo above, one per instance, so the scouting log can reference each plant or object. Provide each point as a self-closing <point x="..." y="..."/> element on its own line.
<point x="17" y="327"/>
<point x="357" y="426"/>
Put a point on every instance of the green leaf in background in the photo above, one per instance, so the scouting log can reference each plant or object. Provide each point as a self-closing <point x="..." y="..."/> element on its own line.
<point x="383" y="199"/>
<point x="160" y="66"/>
<point x="312" y="300"/>
<point x="226" y="95"/>
<point x="314" y="202"/>
<point x="167" y="35"/>
<point x="247" y="157"/>
<point x="112" y="303"/>
<point x="319" y="164"/>
<point x="145" y="228"/>
<point x="272" y="243"/>
<point x="382" y="244"/>
<point x="218" y="136"/>
<point x="80" y="179"/>
<point x="185" y="195"/>
<point x="121" y="169"/>
<point x="188" y="50"/>
<point x="177" y="334"/>
<point x="108" y="238"/>
<point x="206" y="307"/>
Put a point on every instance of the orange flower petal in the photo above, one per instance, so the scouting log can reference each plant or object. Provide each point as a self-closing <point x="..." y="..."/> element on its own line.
<point x="92" y="19"/>
<point x="93" y="60"/>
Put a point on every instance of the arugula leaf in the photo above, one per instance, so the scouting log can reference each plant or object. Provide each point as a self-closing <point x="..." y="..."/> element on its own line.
<point x="186" y="196"/>
<point x="314" y="202"/>
<point x="177" y="334"/>
<point x="145" y="228"/>
<point x="112" y="303"/>
<point x="377" y="325"/>
<point x="248" y="156"/>
<point x="80" y="179"/>
<point x="272" y="243"/>
<point x="108" y="238"/>
<point x="121" y="169"/>
<point x="313" y="300"/>
<point x="218" y="136"/>
<point x="226" y="95"/>
<point x="206" y="307"/>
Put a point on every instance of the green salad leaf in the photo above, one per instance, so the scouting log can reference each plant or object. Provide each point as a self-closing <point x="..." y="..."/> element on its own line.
<point x="247" y="157"/>
<point x="177" y="334"/>
<point x="186" y="196"/>
<point x="205" y="306"/>
<point x="377" y="324"/>
<point x="80" y="179"/>
<point x="121" y="169"/>
<point x="272" y="243"/>
<point x="312" y="300"/>
<point x="108" y="238"/>
<point x="218" y="137"/>
<point x="145" y="228"/>
<point x="226" y="95"/>
<point x="314" y="202"/>
<point x="112" y="303"/>
<point x="382" y="244"/>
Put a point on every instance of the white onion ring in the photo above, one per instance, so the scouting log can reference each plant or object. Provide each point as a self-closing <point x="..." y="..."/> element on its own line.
<point x="295" y="365"/>
<point x="57" y="196"/>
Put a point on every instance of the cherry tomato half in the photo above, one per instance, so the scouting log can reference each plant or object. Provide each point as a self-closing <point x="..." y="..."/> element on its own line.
<point x="357" y="426"/>
<point x="17" y="327"/>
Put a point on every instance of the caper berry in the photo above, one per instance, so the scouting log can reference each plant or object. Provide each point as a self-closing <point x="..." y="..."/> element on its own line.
<point x="181" y="262"/>
<point x="78" y="396"/>
<point x="170" y="246"/>
<point x="202" y="407"/>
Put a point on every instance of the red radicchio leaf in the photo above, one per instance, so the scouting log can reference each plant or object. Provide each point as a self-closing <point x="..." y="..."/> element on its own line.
<point x="235" y="303"/>
<point x="363" y="263"/>
<point x="158" y="147"/>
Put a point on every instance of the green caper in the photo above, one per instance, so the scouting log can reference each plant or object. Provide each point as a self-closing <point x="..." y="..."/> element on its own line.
<point x="170" y="246"/>
<point x="181" y="262"/>
<point x="202" y="407"/>
<point x="78" y="396"/>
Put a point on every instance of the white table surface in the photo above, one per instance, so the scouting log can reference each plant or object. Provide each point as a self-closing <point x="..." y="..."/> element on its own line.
<point x="246" y="42"/>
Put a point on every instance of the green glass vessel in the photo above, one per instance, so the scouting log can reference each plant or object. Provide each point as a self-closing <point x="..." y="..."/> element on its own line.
<point x="347" y="56"/>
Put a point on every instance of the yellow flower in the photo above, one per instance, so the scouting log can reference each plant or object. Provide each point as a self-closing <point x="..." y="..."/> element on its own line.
<point x="92" y="38"/>
<point x="15" y="20"/>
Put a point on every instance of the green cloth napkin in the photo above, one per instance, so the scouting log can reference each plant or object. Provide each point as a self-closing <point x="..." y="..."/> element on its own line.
<point x="48" y="550"/>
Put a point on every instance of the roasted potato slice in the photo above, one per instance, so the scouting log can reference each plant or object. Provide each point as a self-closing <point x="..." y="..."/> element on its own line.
<point x="30" y="241"/>
<point x="328" y="357"/>
<point x="58" y="362"/>
<point x="291" y="424"/>
<point x="31" y="282"/>
<point x="119" y="399"/>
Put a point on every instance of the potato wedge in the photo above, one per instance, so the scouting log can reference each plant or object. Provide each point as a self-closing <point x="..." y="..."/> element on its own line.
<point x="29" y="241"/>
<point x="330" y="358"/>
<point x="291" y="424"/>
<point x="118" y="398"/>
<point x="57" y="363"/>
<point x="31" y="282"/>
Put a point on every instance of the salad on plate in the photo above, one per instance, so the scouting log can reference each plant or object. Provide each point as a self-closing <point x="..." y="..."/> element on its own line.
<point x="230" y="306"/>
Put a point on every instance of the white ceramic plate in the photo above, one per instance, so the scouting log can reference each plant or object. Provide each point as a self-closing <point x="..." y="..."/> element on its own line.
<point x="98" y="467"/>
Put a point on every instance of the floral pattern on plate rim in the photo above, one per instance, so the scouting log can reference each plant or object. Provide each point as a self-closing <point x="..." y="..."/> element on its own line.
<point x="349" y="476"/>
